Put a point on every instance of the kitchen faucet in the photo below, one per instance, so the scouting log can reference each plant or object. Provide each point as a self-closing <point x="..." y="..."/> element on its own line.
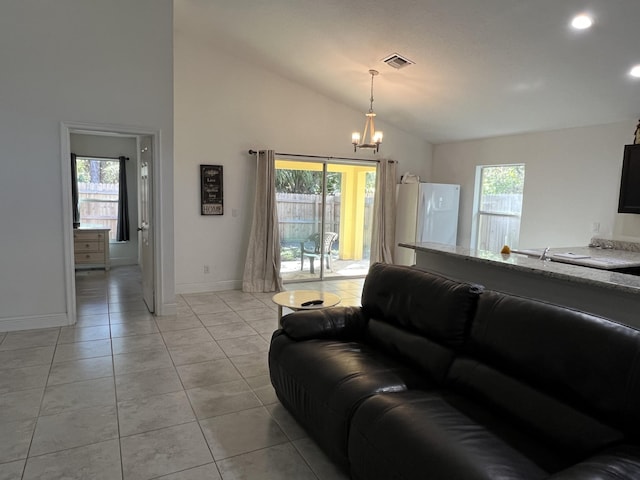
<point x="544" y="254"/>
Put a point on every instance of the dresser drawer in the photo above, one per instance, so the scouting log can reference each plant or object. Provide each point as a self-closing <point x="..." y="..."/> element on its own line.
<point x="89" y="235"/>
<point x="90" y="257"/>
<point x="88" y="246"/>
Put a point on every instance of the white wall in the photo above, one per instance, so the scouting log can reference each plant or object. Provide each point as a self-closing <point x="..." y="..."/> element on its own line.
<point x="572" y="179"/>
<point x="120" y="253"/>
<point x="224" y="107"/>
<point x="103" y="62"/>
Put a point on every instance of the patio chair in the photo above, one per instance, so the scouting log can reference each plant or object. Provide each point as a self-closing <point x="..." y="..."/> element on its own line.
<point x="312" y="252"/>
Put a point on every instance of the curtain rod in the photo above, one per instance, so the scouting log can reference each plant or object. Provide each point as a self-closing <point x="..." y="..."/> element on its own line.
<point x="325" y="157"/>
<point x="102" y="158"/>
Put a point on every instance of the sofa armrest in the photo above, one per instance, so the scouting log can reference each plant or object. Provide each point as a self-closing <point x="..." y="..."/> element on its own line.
<point x="344" y="323"/>
<point x="619" y="463"/>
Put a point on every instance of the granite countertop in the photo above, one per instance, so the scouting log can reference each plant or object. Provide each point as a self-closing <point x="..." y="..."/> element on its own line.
<point x="553" y="269"/>
<point x="594" y="257"/>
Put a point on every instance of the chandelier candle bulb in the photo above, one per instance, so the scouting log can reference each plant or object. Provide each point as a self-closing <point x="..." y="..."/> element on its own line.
<point x="355" y="138"/>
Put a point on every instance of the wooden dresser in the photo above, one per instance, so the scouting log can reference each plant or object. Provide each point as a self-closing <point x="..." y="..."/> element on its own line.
<point x="91" y="247"/>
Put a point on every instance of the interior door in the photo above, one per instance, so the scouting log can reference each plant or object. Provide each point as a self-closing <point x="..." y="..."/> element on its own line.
<point x="145" y="230"/>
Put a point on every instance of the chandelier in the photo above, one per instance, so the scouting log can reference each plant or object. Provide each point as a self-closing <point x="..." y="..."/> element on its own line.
<point x="375" y="137"/>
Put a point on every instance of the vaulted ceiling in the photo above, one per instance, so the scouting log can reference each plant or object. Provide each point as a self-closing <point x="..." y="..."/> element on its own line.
<point x="482" y="67"/>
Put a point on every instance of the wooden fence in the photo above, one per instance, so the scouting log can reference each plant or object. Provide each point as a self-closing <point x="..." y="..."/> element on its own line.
<point x="299" y="216"/>
<point x="98" y="204"/>
<point x="496" y="230"/>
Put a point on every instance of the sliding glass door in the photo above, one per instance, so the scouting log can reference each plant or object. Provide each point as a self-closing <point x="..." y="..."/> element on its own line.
<point x="324" y="211"/>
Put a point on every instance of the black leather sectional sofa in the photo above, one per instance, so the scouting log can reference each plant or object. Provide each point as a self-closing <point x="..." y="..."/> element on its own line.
<point x="437" y="379"/>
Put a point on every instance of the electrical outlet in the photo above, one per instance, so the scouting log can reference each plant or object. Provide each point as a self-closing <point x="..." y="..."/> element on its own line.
<point x="595" y="227"/>
<point x="206" y="269"/>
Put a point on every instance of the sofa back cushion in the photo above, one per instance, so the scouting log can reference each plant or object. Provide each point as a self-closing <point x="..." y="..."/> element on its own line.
<point x="416" y="315"/>
<point x="571" y="377"/>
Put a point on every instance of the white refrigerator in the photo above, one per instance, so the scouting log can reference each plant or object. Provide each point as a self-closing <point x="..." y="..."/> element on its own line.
<point x="425" y="212"/>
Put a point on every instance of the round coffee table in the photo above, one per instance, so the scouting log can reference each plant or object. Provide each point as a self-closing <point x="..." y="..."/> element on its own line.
<point x="294" y="299"/>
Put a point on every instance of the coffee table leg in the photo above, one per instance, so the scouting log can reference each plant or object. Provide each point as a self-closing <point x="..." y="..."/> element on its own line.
<point x="280" y="315"/>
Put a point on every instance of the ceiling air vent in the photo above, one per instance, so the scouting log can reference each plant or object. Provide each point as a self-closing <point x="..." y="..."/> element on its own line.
<point x="397" y="61"/>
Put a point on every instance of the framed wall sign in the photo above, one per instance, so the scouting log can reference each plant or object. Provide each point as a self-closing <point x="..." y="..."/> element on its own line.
<point x="211" y="197"/>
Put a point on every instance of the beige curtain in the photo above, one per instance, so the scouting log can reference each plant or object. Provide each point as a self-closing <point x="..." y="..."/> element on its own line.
<point x="384" y="213"/>
<point x="262" y="265"/>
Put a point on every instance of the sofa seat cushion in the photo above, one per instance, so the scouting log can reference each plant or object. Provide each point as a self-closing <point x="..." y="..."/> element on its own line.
<point x="439" y="436"/>
<point x="321" y="382"/>
<point x="562" y="426"/>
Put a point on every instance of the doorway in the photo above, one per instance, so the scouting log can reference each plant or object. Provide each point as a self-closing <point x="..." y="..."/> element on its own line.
<point x="142" y="249"/>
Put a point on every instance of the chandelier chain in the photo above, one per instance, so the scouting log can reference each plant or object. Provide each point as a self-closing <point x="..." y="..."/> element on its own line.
<point x="371" y="104"/>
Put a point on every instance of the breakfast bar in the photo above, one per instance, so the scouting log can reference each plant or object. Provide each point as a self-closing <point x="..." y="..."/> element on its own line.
<point x="602" y="291"/>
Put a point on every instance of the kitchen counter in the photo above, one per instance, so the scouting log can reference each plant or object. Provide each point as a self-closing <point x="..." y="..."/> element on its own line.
<point x="600" y="291"/>
<point x="594" y="257"/>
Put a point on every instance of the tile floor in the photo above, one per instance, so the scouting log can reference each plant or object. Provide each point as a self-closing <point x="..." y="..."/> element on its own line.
<point x="125" y="395"/>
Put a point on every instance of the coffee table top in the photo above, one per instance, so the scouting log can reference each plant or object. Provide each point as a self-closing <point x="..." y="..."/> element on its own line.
<point x="294" y="299"/>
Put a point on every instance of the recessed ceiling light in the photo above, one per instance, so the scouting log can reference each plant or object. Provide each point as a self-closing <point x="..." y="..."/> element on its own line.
<point x="582" y="21"/>
<point x="635" y="71"/>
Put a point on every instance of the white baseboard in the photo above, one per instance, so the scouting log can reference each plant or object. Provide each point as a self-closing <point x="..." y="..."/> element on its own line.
<point x="209" y="286"/>
<point x="28" y="323"/>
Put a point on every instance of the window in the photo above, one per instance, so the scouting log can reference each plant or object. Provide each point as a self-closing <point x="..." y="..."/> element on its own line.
<point x="325" y="217"/>
<point x="98" y="192"/>
<point x="498" y="206"/>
